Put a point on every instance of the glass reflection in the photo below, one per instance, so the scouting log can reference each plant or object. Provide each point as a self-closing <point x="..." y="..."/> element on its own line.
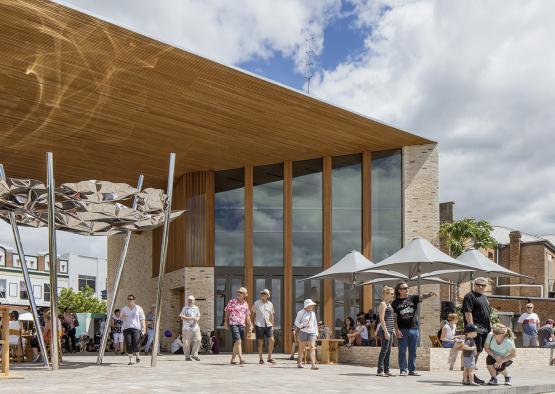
<point x="387" y="207"/>
<point x="268" y="216"/>
<point x="229" y="218"/>
<point x="346" y="205"/>
<point x="307" y="213"/>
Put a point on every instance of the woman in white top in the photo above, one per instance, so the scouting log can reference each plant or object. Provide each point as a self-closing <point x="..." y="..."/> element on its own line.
<point x="133" y="326"/>
<point x="448" y="331"/>
<point x="15" y="325"/>
<point x="308" y="325"/>
<point x="360" y="330"/>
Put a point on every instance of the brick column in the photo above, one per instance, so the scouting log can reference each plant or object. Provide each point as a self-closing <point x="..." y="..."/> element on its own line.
<point x="421" y="218"/>
<point x="514" y="260"/>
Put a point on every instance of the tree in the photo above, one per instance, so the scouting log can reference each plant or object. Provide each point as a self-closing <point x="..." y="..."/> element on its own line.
<point x="81" y="301"/>
<point x="465" y="233"/>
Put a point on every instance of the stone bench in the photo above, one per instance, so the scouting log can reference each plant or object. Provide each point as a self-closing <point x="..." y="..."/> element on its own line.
<point x="437" y="359"/>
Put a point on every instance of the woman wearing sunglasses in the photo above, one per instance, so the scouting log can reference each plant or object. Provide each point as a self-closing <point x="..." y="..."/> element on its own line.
<point x="133" y="326"/>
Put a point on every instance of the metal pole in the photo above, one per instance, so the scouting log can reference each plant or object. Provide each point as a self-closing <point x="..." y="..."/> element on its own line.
<point x="53" y="263"/>
<point x="419" y="295"/>
<point x="116" y="282"/>
<point x="162" y="270"/>
<point x="27" y="279"/>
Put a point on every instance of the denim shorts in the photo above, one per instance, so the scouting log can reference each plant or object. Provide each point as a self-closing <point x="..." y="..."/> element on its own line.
<point x="237" y="333"/>
<point x="264" y="332"/>
<point x="307" y="337"/>
<point x="469" y="362"/>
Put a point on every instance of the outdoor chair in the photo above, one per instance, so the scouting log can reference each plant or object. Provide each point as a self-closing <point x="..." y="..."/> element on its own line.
<point x="436" y="342"/>
<point x="16" y="350"/>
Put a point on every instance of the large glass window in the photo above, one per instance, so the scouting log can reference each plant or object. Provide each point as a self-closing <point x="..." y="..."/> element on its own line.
<point x="387" y="207"/>
<point x="23" y="291"/>
<point x="229" y="204"/>
<point x="307" y="213"/>
<point x="346" y="205"/>
<point x="46" y="292"/>
<point x="268" y="216"/>
<point x="2" y="288"/>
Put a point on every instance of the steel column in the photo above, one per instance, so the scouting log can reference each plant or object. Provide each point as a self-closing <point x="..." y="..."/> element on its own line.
<point x="27" y="279"/>
<point x="117" y="282"/>
<point x="162" y="270"/>
<point x="54" y="356"/>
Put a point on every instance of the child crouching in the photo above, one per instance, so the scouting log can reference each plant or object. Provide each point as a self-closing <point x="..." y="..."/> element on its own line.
<point x="469" y="355"/>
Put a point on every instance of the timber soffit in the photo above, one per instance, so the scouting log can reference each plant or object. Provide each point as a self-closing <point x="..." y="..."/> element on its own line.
<point x="111" y="103"/>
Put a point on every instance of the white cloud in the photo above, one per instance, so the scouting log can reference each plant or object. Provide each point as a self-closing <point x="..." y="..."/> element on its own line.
<point x="228" y="31"/>
<point x="476" y="76"/>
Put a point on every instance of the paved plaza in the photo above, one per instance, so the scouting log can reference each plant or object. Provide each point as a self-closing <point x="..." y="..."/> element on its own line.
<point x="214" y="374"/>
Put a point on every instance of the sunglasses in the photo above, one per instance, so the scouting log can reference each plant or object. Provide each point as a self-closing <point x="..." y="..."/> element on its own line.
<point x="130" y="299"/>
<point x="240" y="292"/>
<point x="480" y="284"/>
<point x="403" y="288"/>
<point x="529" y="307"/>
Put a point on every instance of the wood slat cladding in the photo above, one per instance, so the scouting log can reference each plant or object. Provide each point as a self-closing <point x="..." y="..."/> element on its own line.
<point x="191" y="235"/>
<point x="112" y="103"/>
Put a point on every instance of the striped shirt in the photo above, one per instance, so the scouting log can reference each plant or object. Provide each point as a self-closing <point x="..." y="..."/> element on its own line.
<point x="389" y="319"/>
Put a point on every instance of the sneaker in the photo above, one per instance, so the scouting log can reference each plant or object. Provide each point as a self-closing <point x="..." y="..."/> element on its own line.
<point x="195" y="358"/>
<point x="314" y="367"/>
<point x="130" y="363"/>
<point x="389" y="374"/>
<point x="414" y="373"/>
<point x="478" y="380"/>
<point x="403" y="373"/>
<point x="493" y="382"/>
<point x="465" y="383"/>
<point x="507" y="380"/>
<point x="137" y="360"/>
<point x="300" y="366"/>
<point x="189" y="359"/>
<point x="291" y="358"/>
<point x="381" y="374"/>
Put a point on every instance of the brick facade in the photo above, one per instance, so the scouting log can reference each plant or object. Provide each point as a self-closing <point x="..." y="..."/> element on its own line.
<point x="421" y="218"/>
<point x="137" y="279"/>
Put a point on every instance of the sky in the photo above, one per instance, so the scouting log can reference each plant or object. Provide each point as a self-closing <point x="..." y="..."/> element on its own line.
<point x="476" y="76"/>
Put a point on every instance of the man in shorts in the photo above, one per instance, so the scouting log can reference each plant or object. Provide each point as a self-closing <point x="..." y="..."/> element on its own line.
<point x="529" y="323"/>
<point x="476" y="310"/>
<point x="263" y="316"/>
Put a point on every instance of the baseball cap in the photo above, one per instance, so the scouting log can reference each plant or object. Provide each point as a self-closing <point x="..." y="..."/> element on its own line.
<point x="265" y="291"/>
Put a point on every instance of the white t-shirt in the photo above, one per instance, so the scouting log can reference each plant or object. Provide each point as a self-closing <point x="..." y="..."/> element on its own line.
<point x="263" y="312"/>
<point x="530" y="323"/>
<point x="190" y="311"/>
<point x="132" y="317"/>
<point x="362" y="331"/>
<point x="176" y="345"/>
<point x="307" y="322"/>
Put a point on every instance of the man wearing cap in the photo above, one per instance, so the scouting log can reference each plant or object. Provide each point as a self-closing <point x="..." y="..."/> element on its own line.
<point x="263" y="316"/>
<point x="308" y="326"/>
<point x="190" y="330"/>
<point x="237" y="313"/>
<point x="545" y="334"/>
<point x="477" y="311"/>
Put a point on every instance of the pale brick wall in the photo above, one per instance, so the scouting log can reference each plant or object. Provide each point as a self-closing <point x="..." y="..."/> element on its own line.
<point x="137" y="279"/>
<point x="421" y="218"/>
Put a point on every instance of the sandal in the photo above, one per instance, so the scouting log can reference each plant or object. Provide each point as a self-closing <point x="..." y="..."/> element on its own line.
<point x="233" y="362"/>
<point x="261" y="361"/>
<point x="271" y="361"/>
<point x="242" y="362"/>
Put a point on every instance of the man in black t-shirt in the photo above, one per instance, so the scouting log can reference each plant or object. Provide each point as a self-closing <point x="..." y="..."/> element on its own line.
<point x="407" y="330"/>
<point x="476" y="310"/>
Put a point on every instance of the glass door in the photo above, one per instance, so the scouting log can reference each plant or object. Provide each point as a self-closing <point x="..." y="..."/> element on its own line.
<point x="274" y="284"/>
<point x="225" y="288"/>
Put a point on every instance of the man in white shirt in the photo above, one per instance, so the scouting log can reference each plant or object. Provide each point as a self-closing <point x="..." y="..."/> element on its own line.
<point x="133" y="326"/>
<point x="263" y="315"/>
<point x="529" y="324"/>
<point x="308" y="331"/>
<point x="190" y="315"/>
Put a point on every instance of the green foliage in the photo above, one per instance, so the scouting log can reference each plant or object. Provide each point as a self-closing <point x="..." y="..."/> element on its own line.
<point x="81" y="301"/>
<point x="466" y="232"/>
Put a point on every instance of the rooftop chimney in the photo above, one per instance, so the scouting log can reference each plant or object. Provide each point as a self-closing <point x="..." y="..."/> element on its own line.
<point x="514" y="260"/>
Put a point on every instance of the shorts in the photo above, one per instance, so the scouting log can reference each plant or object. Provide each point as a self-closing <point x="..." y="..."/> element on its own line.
<point x="490" y="361"/>
<point x="237" y="333"/>
<point x="479" y="341"/>
<point x="118" y="337"/>
<point x="469" y="362"/>
<point x="264" y="332"/>
<point x="307" y="337"/>
<point x="447" y="345"/>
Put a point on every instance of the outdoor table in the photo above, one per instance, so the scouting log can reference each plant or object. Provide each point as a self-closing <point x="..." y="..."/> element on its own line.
<point x="329" y="351"/>
<point x="5" y="342"/>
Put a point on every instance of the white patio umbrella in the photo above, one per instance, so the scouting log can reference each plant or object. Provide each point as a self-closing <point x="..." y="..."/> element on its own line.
<point x="353" y="268"/>
<point x="410" y="282"/>
<point x="25" y="316"/>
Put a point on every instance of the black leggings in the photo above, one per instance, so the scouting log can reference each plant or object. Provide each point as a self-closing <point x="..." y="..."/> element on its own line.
<point x="132" y="339"/>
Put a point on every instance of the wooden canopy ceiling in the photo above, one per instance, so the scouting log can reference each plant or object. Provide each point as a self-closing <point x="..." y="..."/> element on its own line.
<point x="111" y="103"/>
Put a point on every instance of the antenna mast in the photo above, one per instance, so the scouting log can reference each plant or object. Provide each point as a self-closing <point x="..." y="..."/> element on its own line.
<point x="309" y="53"/>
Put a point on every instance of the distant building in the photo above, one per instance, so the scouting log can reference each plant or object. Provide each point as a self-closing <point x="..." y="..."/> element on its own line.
<point x="74" y="271"/>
